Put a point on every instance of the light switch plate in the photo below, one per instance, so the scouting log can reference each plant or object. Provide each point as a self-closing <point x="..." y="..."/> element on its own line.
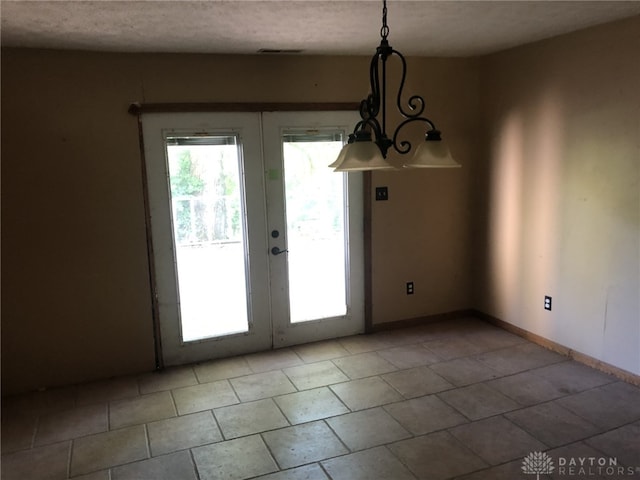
<point x="382" y="193"/>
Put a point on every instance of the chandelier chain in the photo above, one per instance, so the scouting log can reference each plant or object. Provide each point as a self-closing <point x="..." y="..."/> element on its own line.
<point x="384" y="31"/>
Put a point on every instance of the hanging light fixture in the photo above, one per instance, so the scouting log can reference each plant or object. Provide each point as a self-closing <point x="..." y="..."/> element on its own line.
<point x="369" y="143"/>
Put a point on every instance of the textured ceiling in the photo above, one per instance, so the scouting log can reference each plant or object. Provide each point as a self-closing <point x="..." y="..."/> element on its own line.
<point x="427" y="28"/>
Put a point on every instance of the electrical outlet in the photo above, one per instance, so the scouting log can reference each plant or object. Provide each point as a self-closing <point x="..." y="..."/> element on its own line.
<point x="382" y="193"/>
<point x="547" y="302"/>
<point x="409" y="288"/>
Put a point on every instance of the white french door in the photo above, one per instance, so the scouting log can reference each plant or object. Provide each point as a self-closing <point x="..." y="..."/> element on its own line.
<point x="317" y="284"/>
<point x="256" y="243"/>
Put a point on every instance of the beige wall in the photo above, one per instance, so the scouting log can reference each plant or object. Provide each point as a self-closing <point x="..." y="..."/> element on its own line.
<point x="75" y="290"/>
<point x="560" y="191"/>
<point x="546" y="203"/>
<point x="422" y="233"/>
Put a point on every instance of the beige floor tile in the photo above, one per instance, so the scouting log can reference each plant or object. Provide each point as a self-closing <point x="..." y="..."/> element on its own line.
<point x="409" y="356"/>
<point x="375" y="463"/>
<point x="307" y="472"/>
<point x="609" y="406"/>
<point x="179" y="433"/>
<point x="478" y="401"/>
<point x="364" y="343"/>
<point x="471" y="325"/>
<point x="436" y="380"/>
<point x="18" y="432"/>
<point x="552" y="424"/>
<point x="365" y="393"/>
<point x="46" y="463"/>
<point x="176" y="466"/>
<point x="526" y="388"/>
<point x="107" y="390"/>
<point x="168" y="379"/>
<point x="453" y="329"/>
<point x="417" y="382"/>
<point x="453" y="347"/>
<point x="497" y="440"/>
<point x="222" y="369"/>
<point x="472" y="339"/>
<point x="577" y="451"/>
<point x="320" y="351"/>
<point x="313" y="442"/>
<point x="262" y="385"/>
<point x="77" y="422"/>
<point x="101" y="475"/>
<point x="436" y="456"/>
<point x="67" y="424"/>
<point x="205" y="396"/>
<point x="273" y="360"/>
<point x="425" y="414"/>
<point x="507" y="471"/>
<point x="367" y="428"/>
<point x="237" y="459"/>
<point x="573" y="377"/>
<point x="492" y="338"/>
<point x="464" y="371"/>
<point x="109" y="449"/>
<point x="364" y="365"/>
<point x="315" y="375"/>
<point x="310" y="405"/>
<point x="519" y="358"/>
<point x="249" y="418"/>
<point x="142" y="409"/>
<point x="622" y="443"/>
<point x="401" y="336"/>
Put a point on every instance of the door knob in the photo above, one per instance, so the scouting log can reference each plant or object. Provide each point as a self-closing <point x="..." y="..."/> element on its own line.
<point x="277" y="251"/>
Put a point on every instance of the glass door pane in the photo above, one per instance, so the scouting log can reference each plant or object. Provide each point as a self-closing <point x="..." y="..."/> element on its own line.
<point x="315" y="221"/>
<point x="207" y="211"/>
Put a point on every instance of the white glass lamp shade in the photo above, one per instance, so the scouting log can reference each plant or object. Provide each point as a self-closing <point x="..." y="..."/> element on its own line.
<point x="361" y="155"/>
<point x="340" y="157"/>
<point x="432" y="154"/>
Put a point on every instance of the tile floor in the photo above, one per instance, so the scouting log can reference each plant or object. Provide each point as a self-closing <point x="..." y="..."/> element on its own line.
<point x="455" y="399"/>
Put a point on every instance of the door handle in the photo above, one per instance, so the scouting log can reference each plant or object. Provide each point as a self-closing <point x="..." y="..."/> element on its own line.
<point x="277" y="251"/>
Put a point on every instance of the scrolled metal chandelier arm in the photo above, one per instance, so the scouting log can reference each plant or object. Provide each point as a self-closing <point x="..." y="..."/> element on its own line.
<point x="413" y="99"/>
<point x="405" y="146"/>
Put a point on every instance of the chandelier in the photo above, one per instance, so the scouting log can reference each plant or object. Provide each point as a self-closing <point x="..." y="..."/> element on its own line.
<point x="369" y="143"/>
